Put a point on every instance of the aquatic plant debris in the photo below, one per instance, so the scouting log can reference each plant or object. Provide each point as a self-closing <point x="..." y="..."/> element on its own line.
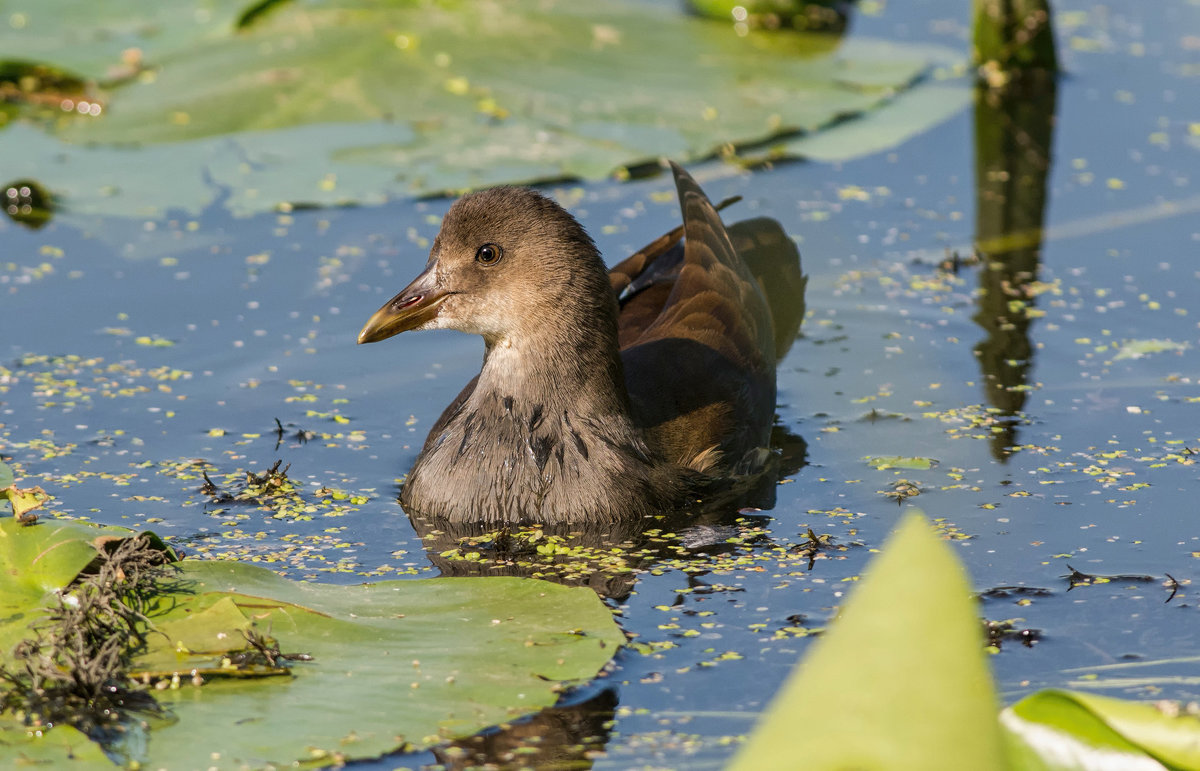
<point x="1136" y="349"/>
<point x="23" y="501"/>
<point x="74" y="666"/>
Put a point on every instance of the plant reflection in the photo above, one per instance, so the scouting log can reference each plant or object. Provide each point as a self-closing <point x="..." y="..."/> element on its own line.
<point x="557" y="737"/>
<point x="1014" y="128"/>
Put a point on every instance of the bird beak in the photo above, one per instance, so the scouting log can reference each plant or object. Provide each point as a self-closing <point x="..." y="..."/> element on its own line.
<point x="417" y="304"/>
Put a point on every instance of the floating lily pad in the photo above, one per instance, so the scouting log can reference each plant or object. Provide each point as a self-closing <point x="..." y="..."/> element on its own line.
<point x="1137" y="349"/>
<point x="342" y="101"/>
<point x="62" y="747"/>
<point x="92" y="40"/>
<point x="882" y="129"/>
<point x="398" y="664"/>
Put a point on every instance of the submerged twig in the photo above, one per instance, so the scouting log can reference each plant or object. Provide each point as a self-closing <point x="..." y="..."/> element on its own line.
<point x="302" y="436"/>
<point x="813" y="546"/>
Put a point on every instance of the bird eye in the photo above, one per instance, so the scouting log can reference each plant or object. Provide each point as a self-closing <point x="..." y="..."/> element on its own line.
<point x="489" y="254"/>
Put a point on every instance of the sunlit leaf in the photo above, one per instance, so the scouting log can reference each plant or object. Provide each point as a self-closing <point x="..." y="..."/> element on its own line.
<point x="343" y="101"/>
<point x="900" y="680"/>
<point x="1069" y="729"/>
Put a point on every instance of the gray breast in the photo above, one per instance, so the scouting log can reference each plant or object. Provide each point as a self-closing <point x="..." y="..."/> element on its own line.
<point x="502" y="460"/>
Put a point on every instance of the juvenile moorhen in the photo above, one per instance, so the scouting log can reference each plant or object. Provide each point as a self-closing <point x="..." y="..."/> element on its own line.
<point x="603" y="396"/>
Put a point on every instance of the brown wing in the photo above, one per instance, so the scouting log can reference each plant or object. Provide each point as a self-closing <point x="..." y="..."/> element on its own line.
<point x="625" y="275"/>
<point x="715" y="299"/>
<point x="643" y="281"/>
<point x="644" y="297"/>
<point x="770" y="254"/>
<point x="701" y="373"/>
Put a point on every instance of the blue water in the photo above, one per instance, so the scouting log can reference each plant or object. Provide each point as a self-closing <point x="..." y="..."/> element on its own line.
<point x="260" y="315"/>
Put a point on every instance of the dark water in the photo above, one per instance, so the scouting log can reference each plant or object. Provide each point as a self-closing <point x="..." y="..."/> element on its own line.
<point x="1062" y="436"/>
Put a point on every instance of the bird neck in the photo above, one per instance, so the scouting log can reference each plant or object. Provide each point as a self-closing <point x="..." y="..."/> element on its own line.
<point x="571" y="362"/>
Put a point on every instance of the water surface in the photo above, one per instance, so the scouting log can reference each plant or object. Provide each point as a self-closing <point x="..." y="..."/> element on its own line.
<point x="1056" y="389"/>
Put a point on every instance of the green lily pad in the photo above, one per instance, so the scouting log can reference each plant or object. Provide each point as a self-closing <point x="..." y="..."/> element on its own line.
<point x="91" y="40"/>
<point x="58" y="747"/>
<point x="345" y="101"/>
<point x="883" y="129"/>
<point x="394" y="665"/>
<point x="900" y="681"/>
<point x="399" y="664"/>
